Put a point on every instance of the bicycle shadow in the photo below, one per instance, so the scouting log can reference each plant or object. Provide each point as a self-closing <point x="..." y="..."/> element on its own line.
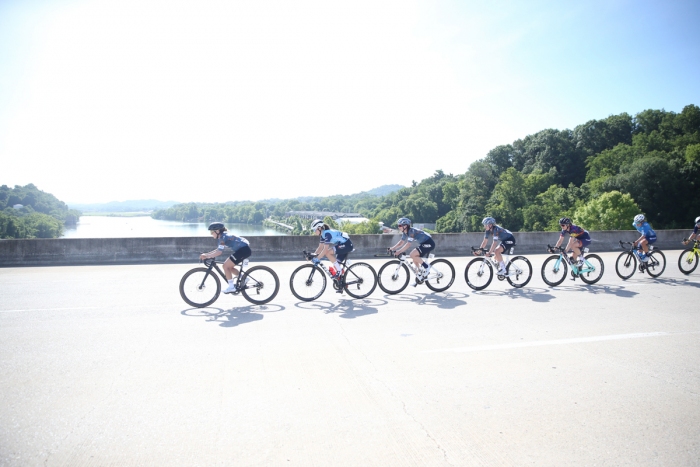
<point x="678" y="282"/>
<point x="232" y="317"/>
<point x="444" y="300"/>
<point x="348" y="308"/>
<point x="617" y="290"/>
<point x="531" y="293"/>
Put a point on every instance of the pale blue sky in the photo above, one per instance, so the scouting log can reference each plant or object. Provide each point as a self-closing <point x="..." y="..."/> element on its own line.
<point x="105" y="100"/>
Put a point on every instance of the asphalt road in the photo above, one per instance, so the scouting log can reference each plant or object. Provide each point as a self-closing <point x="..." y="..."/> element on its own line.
<point x="108" y="366"/>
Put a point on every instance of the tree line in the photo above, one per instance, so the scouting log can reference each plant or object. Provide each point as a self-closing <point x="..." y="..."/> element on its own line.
<point x="27" y="212"/>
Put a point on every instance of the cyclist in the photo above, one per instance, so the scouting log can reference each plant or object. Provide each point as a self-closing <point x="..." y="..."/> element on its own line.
<point x="648" y="236"/>
<point x="504" y="236"/>
<point x="240" y="251"/>
<point x="423" y="242"/>
<point x="696" y="232"/>
<point x="578" y="238"/>
<point x="335" y="245"/>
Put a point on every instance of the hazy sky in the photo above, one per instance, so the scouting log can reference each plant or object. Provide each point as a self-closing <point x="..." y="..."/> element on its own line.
<point x="104" y="100"/>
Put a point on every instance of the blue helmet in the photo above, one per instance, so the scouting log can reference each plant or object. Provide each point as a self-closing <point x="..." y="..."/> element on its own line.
<point x="488" y="220"/>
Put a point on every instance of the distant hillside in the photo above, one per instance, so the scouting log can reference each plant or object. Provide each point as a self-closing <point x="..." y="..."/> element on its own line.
<point x="384" y="190"/>
<point x="124" y="206"/>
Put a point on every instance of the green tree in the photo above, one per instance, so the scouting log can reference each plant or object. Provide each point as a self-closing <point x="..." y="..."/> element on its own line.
<point x="611" y="211"/>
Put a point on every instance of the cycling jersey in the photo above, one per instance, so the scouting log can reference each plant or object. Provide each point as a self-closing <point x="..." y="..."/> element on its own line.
<point x="645" y="229"/>
<point x="231" y="241"/>
<point x="333" y="237"/>
<point x="574" y="231"/>
<point x="499" y="233"/>
<point x="415" y="235"/>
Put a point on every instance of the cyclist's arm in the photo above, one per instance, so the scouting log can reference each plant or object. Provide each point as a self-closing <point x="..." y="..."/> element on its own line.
<point x="211" y="254"/>
<point x="398" y="245"/>
<point x="559" y="242"/>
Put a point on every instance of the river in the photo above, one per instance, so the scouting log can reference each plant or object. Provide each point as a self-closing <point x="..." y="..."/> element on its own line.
<point x="146" y="226"/>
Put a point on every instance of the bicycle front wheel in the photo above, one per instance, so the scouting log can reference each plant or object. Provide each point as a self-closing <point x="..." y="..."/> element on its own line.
<point x="260" y="284"/>
<point x="393" y="277"/>
<point x="625" y="265"/>
<point x="592" y="270"/>
<point x="200" y="287"/>
<point x="308" y="282"/>
<point x="554" y="270"/>
<point x="519" y="271"/>
<point x="478" y="273"/>
<point x="656" y="264"/>
<point x="688" y="261"/>
<point x="360" y="280"/>
<point x="441" y="276"/>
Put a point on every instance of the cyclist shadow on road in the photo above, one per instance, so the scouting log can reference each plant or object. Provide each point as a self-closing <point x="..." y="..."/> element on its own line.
<point x="233" y="316"/>
<point x="348" y="308"/>
<point x="617" y="290"/>
<point x="531" y="293"/>
<point x="444" y="300"/>
<point x="678" y="282"/>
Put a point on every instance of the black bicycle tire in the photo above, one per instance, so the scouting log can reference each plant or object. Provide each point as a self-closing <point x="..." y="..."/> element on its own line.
<point x="529" y="277"/>
<point x="625" y="254"/>
<point x="348" y="287"/>
<point x="681" y="260"/>
<point x="652" y="255"/>
<point x="191" y="302"/>
<point x="585" y="278"/>
<point x="487" y="267"/>
<point x="250" y="272"/>
<point x="380" y="275"/>
<point x="452" y="277"/>
<point x="564" y="265"/>
<point x="318" y="271"/>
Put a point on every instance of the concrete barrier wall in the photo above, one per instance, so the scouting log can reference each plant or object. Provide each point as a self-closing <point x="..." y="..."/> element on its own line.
<point x="77" y="251"/>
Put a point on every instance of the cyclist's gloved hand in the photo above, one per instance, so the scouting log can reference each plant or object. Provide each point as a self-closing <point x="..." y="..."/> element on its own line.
<point x="315" y="260"/>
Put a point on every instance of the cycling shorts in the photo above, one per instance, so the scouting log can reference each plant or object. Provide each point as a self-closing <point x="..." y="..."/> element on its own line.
<point x="508" y="245"/>
<point x="426" y="247"/>
<point x="343" y="250"/>
<point x="240" y="254"/>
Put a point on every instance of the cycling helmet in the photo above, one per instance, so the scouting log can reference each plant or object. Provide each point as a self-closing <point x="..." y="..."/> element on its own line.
<point x="488" y="220"/>
<point x="404" y="221"/>
<point x="638" y="218"/>
<point x="317" y="224"/>
<point x="564" y="221"/>
<point x="216" y="226"/>
<point x="697" y="220"/>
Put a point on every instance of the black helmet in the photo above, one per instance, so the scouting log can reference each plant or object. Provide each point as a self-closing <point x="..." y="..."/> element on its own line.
<point x="219" y="226"/>
<point x="564" y="221"/>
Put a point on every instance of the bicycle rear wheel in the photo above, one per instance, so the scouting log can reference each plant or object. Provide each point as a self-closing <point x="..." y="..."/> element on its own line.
<point x="625" y="265"/>
<point x="200" y="287"/>
<point x="554" y="271"/>
<point x="592" y="270"/>
<point x="308" y="282"/>
<point x="360" y="280"/>
<point x="393" y="277"/>
<point x="656" y="264"/>
<point x="441" y="276"/>
<point x="519" y="271"/>
<point x="260" y="284"/>
<point x="688" y="261"/>
<point x="478" y="273"/>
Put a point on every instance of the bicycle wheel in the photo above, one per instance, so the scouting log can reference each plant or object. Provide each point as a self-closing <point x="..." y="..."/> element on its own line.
<point x="442" y="275"/>
<point x="625" y="265"/>
<point x="360" y="280"/>
<point x="308" y="282"/>
<point x="554" y="270"/>
<point x="592" y="270"/>
<point x="261" y="284"/>
<point x="200" y="287"/>
<point x="478" y="273"/>
<point x="688" y="261"/>
<point x="656" y="264"/>
<point x="519" y="271"/>
<point x="393" y="277"/>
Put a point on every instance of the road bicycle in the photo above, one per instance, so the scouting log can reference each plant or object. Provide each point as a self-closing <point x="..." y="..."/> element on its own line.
<point x="479" y="271"/>
<point x="688" y="260"/>
<point x="626" y="263"/>
<point x="395" y="275"/>
<point x="200" y="287"/>
<point x="308" y="281"/>
<point x="555" y="267"/>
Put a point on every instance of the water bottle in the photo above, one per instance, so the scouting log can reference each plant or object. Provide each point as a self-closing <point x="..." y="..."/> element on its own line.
<point x="245" y="262"/>
<point x="332" y="270"/>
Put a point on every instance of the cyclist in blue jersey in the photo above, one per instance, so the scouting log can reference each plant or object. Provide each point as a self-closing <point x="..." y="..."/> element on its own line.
<point x="578" y="238"/>
<point x="422" y="242"/>
<point x="696" y="232"/>
<point x="503" y="241"/>
<point x="238" y="245"/>
<point x="648" y="235"/>
<point x="335" y="245"/>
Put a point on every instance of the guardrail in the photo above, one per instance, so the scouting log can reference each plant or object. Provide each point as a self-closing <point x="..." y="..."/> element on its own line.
<point x="89" y="251"/>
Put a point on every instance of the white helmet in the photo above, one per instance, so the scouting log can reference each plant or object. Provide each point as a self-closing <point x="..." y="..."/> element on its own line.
<point x="316" y="224"/>
<point x="697" y="220"/>
<point x="638" y="218"/>
<point x="488" y="220"/>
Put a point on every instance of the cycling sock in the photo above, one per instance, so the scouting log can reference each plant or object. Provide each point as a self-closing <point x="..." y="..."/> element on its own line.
<point x="425" y="265"/>
<point x="502" y="264"/>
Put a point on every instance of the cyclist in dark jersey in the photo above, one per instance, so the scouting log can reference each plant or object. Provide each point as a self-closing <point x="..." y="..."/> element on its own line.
<point x="696" y="232"/>
<point x="238" y="245"/>
<point x="503" y="241"/>
<point x="578" y="238"/>
<point x="334" y="245"/>
<point x="422" y="242"/>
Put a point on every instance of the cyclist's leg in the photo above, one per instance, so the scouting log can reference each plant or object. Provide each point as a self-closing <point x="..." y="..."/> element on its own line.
<point x="574" y="245"/>
<point x="644" y="245"/>
<point x="235" y="259"/>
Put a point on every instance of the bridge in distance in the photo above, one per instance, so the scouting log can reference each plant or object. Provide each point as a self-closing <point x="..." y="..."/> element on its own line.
<point x="107" y="365"/>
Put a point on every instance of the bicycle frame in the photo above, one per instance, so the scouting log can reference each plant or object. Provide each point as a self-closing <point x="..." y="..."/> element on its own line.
<point x="408" y="261"/>
<point x="564" y="257"/>
<point x="338" y="283"/>
<point x="211" y="263"/>
<point x="491" y="259"/>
